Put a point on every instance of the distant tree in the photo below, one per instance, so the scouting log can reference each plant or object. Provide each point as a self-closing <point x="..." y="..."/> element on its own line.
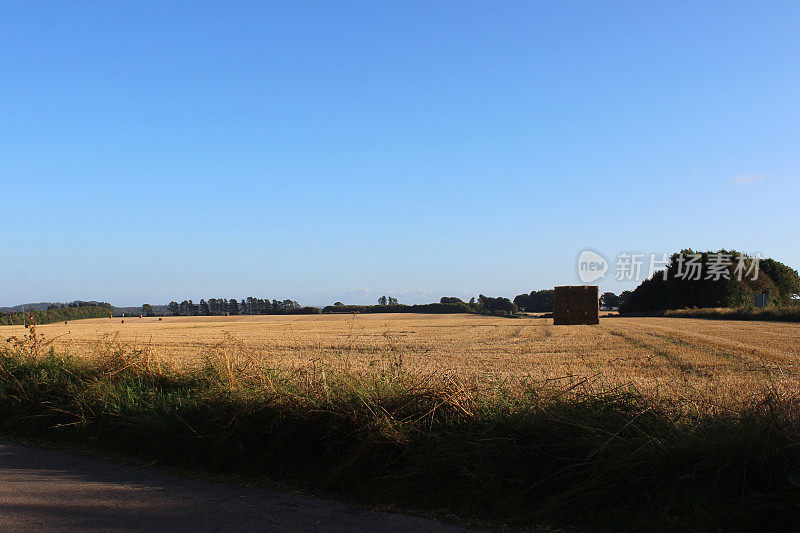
<point x="392" y="300"/>
<point x="233" y="306"/>
<point x="204" y="309"/>
<point x="147" y="310"/>
<point x="174" y="308"/>
<point x="338" y="304"/>
<point x="536" y="301"/>
<point x="382" y="300"/>
<point x="609" y="300"/>
<point x="502" y="306"/>
<point x="786" y="279"/>
<point x="188" y="308"/>
<point x="452" y="300"/>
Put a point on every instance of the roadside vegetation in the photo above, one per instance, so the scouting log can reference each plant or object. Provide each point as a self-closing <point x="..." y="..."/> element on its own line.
<point x="528" y="455"/>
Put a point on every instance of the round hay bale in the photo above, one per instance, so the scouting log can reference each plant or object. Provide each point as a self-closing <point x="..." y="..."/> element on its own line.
<point x="159" y="319"/>
<point x="121" y="321"/>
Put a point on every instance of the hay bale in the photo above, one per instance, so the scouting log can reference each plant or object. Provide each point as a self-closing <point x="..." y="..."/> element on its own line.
<point x="159" y="319"/>
<point x="576" y="304"/>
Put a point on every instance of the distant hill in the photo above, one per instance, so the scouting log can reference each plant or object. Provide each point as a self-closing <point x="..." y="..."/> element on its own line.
<point x="39" y="306"/>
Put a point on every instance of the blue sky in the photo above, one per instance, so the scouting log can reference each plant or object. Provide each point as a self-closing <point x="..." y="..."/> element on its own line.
<point x="327" y="151"/>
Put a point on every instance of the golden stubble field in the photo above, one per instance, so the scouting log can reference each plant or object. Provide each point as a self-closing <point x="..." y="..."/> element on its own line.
<point x="683" y="359"/>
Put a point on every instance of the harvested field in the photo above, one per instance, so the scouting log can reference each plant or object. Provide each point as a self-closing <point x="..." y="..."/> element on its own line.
<point x="702" y="361"/>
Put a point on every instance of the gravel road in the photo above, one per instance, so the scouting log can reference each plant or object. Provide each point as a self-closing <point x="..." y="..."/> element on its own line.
<point x="46" y="490"/>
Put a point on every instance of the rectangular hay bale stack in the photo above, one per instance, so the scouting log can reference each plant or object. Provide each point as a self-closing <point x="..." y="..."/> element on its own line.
<point x="576" y="304"/>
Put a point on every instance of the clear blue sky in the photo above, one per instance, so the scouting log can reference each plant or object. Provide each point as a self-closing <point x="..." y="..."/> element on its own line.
<point x="324" y="150"/>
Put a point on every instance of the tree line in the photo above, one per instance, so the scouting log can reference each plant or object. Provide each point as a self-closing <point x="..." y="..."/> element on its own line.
<point x="233" y="307"/>
<point x="55" y="313"/>
<point x="542" y="301"/>
<point x="447" y="304"/>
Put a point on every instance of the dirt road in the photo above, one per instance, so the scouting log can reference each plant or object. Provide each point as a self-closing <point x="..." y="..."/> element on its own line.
<point x="45" y="490"/>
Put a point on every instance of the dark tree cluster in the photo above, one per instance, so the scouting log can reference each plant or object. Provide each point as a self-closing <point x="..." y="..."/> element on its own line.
<point x="609" y="300"/>
<point x="432" y="308"/>
<point x="58" y="314"/>
<point x="496" y="306"/>
<point x="779" y="282"/>
<point x="232" y="307"/>
<point x="536" y="301"/>
<point x="447" y="304"/>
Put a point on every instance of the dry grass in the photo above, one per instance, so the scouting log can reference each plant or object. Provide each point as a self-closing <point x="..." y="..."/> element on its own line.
<point x="700" y="363"/>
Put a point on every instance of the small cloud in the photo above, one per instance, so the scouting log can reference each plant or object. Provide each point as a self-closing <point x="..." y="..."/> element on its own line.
<point x="357" y="292"/>
<point x="748" y="179"/>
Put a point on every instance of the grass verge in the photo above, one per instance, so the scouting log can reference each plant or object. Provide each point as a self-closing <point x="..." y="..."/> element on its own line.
<point x="602" y="461"/>
<point x="771" y="314"/>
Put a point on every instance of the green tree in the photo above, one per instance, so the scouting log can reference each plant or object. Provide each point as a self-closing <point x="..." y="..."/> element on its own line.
<point x="174" y="308"/>
<point x="147" y="310"/>
<point x="609" y="300"/>
<point x="624" y="296"/>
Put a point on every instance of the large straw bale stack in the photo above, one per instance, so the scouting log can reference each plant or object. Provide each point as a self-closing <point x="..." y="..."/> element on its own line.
<point x="576" y="305"/>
